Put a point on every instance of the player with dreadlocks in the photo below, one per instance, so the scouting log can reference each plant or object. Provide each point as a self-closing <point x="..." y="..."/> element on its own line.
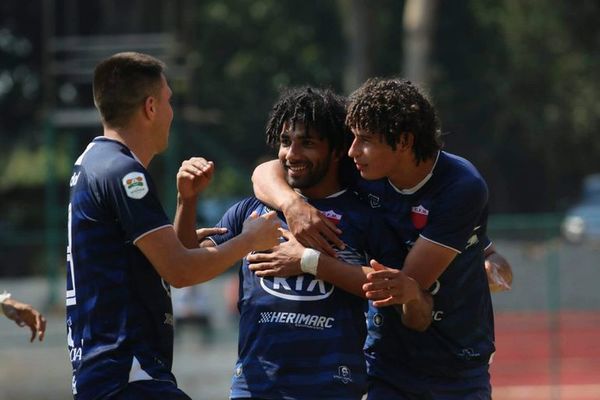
<point x="436" y="204"/>
<point x="301" y="335"/>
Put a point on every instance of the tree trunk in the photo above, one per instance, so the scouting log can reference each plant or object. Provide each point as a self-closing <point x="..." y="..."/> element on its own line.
<point x="418" y="23"/>
<point x="357" y="19"/>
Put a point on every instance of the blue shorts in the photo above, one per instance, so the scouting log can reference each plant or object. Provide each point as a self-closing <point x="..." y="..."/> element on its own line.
<point x="381" y="390"/>
<point x="150" y="390"/>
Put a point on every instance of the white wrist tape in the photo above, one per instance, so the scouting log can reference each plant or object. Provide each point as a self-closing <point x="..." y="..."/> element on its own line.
<point x="3" y="296"/>
<point x="310" y="261"/>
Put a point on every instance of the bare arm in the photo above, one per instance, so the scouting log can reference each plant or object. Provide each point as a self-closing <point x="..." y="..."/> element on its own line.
<point x="25" y="315"/>
<point x="499" y="271"/>
<point x="185" y="267"/>
<point x="284" y="261"/>
<point x="399" y="290"/>
<point x="425" y="262"/>
<point x="306" y="223"/>
<point x="193" y="177"/>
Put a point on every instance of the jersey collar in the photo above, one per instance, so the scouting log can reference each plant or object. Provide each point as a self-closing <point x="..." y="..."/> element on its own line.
<point x="419" y="185"/>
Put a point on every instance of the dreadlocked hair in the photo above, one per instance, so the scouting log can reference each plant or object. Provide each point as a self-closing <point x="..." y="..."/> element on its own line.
<point x="392" y="108"/>
<point x="319" y="109"/>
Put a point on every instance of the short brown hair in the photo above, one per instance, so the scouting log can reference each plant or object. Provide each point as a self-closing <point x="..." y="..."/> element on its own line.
<point x="122" y="82"/>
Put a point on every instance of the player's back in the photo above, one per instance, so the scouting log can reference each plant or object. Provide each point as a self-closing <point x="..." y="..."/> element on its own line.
<point x="119" y="316"/>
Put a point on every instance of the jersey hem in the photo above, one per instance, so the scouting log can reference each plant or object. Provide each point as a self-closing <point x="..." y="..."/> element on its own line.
<point x="441" y="244"/>
<point x="150" y="231"/>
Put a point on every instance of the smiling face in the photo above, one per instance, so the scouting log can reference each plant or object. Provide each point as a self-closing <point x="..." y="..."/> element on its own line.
<point x="307" y="160"/>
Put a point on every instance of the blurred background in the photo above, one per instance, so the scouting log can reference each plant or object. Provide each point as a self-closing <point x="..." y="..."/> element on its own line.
<point x="516" y="85"/>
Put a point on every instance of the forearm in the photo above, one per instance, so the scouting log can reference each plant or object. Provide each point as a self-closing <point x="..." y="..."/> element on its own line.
<point x="270" y="186"/>
<point x="185" y="267"/>
<point x="416" y="314"/>
<point x="199" y="265"/>
<point x="185" y="222"/>
<point x="345" y="276"/>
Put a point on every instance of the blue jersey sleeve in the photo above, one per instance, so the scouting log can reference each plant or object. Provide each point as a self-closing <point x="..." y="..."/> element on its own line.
<point x="458" y="212"/>
<point x="129" y="192"/>
<point x="234" y="218"/>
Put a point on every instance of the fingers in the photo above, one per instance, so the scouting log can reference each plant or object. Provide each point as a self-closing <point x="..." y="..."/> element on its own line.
<point x="202" y="233"/>
<point x="287" y="235"/>
<point x="256" y="258"/>
<point x="318" y="242"/>
<point x="40" y="325"/>
<point x="330" y="232"/>
<point x="377" y="266"/>
<point x="197" y="166"/>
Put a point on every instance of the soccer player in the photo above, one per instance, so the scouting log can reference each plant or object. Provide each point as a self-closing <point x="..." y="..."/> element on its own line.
<point x="436" y="203"/>
<point x="123" y="253"/>
<point x="301" y="335"/>
<point x="23" y="314"/>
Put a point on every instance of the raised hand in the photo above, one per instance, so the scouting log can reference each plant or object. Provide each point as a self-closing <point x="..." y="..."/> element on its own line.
<point x="388" y="286"/>
<point x="282" y="261"/>
<point x="193" y="177"/>
<point x="23" y="314"/>
<point x="311" y="228"/>
<point x="263" y="231"/>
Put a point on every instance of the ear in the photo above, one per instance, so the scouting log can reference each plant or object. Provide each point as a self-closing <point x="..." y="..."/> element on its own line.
<point x="150" y="107"/>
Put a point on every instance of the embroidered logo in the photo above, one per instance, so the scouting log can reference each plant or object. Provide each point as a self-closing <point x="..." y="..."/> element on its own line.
<point x="374" y="201"/>
<point x="344" y="374"/>
<point x="135" y="185"/>
<point x="418" y="216"/>
<point x="332" y="216"/>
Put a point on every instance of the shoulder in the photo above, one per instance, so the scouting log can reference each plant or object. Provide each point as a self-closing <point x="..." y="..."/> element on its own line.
<point x="108" y="160"/>
<point x="245" y="207"/>
<point x="461" y="176"/>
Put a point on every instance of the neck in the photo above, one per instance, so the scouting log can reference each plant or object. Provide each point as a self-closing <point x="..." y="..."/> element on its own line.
<point x="133" y="141"/>
<point x="409" y="174"/>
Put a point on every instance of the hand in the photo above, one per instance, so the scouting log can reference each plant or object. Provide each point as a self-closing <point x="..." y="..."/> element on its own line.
<point x="193" y="177"/>
<point x="311" y="228"/>
<point x="282" y="261"/>
<point x="496" y="281"/>
<point x="23" y="314"/>
<point x="263" y="231"/>
<point x="388" y="286"/>
<point x="203" y="233"/>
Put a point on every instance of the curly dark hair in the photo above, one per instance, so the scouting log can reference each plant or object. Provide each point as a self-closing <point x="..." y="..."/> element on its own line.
<point x="392" y="108"/>
<point x="319" y="109"/>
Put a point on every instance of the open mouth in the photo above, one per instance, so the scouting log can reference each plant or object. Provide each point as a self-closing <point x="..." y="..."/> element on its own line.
<point x="295" y="170"/>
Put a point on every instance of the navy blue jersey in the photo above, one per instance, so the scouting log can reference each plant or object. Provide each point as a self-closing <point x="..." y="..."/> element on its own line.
<point x="301" y="337"/>
<point x="119" y="315"/>
<point x="449" y="208"/>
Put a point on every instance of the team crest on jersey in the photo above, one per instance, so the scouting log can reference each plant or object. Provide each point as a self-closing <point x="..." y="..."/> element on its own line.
<point x="418" y="216"/>
<point x="297" y="288"/>
<point x="332" y="216"/>
<point x="343" y="374"/>
<point x="135" y="185"/>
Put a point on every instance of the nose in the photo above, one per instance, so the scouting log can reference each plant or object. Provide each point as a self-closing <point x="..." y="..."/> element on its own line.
<point x="353" y="151"/>
<point x="293" y="151"/>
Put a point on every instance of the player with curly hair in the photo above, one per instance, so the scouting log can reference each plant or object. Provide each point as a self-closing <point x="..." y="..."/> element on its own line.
<point x="302" y="333"/>
<point x="436" y="203"/>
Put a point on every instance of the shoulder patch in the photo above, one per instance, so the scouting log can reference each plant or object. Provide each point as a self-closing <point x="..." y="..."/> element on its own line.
<point x="135" y="185"/>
